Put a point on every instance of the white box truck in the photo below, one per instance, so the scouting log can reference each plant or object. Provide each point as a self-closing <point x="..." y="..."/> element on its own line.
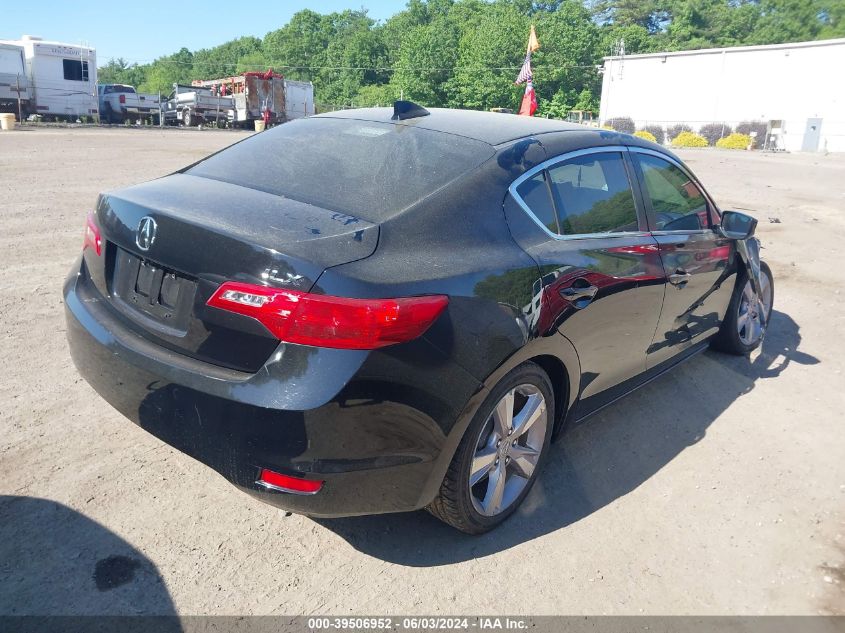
<point x="63" y="77"/>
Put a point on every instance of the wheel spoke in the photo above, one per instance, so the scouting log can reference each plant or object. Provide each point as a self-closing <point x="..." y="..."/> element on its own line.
<point x="742" y="321"/>
<point x="755" y="330"/>
<point x="503" y="415"/>
<point x="492" y="502"/>
<point x="523" y="460"/>
<point x="748" y="291"/>
<point x="482" y="463"/>
<point x="533" y="410"/>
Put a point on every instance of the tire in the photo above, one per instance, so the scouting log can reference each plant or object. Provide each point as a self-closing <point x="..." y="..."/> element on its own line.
<point x="472" y="507"/>
<point x="736" y="336"/>
<point x="187" y="119"/>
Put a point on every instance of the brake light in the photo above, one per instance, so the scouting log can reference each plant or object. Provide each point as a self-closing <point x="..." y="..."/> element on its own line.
<point x="326" y="321"/>
<point x="122" y="98"/>
<point x="285" y="483"/>
<point x="92" y="235"/>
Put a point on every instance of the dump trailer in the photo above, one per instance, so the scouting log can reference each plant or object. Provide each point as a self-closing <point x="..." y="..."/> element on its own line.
<point x="263" y="96"/>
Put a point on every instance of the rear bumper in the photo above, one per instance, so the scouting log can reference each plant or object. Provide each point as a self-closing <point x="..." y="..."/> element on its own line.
<point x="376" y="429"/>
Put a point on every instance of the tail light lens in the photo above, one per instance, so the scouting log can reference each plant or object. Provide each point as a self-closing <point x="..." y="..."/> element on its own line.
<point x="326" y="321"/>
<point x="122" y="98"/>
<point x="92" y="235"/>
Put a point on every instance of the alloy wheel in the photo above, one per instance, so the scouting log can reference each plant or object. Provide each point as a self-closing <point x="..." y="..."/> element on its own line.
<point x="508" y="449"/>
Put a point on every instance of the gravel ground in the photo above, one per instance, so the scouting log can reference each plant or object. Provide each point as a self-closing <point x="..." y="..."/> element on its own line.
<point x="717" y="489"/>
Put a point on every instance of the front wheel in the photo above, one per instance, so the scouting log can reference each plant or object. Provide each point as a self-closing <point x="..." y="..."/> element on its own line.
<point x="742" y="330"/>
<point x="499" y="456"/>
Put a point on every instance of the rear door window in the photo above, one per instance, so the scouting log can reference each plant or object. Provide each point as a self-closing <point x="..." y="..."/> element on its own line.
<point x="677" y="202"/>
<point x="592" y="194"/>
<point x="535" y="193"/>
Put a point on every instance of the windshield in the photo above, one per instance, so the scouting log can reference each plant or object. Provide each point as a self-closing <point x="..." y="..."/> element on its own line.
<point x="363" y="168"/>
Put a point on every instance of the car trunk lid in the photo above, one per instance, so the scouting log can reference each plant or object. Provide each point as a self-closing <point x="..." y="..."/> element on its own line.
<point x="170" y="243"/>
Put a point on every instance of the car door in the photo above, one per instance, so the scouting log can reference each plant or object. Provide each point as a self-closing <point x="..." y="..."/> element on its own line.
<point x="601" y="281"/>
<point x="695" y="257"/>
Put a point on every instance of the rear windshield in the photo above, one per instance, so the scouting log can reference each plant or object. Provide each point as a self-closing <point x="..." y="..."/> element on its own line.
<point x="120" y="89"/>
<point x="367" y="169"/>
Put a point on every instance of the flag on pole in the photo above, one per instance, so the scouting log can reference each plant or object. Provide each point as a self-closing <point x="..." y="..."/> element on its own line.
<point x="525" y="72"/>
<point x="533" y="42"/>
<point x="529" y="99"/>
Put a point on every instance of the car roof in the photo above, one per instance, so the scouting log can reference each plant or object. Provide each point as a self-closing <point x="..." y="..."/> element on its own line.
<point x="490" y="127"/>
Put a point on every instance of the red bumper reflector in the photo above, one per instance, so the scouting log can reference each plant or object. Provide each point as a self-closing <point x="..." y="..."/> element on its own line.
<point x="92" y="235"/>
<point x="277" y="481"/>
<point x="327" y="321"/>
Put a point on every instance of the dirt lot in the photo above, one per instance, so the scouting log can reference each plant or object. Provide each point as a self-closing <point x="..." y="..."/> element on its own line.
<point x="717" y="489"/>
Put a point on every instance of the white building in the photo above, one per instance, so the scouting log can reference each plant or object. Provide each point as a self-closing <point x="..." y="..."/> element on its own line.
<point x="63" y="76"/>
<point x="800" y="85"/>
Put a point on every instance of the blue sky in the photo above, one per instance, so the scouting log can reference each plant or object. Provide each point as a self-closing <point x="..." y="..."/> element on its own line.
<point x="142" y="31"/>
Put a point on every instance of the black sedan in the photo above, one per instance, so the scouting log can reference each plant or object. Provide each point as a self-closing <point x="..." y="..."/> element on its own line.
<point x="384" y="310"/>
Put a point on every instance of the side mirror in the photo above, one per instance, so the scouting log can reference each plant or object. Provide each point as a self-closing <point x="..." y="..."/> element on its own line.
<point x="737" y="226"/>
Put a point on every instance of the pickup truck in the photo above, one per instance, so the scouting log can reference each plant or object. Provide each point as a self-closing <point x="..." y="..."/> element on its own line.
<point x="192" y="105"/>
<point x="119" y="102"/>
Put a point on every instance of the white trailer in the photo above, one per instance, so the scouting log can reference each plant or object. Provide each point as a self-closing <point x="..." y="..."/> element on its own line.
<point x="299" y="99"/>
<point x="63" y="77"/>
<point x="14" y="82"/>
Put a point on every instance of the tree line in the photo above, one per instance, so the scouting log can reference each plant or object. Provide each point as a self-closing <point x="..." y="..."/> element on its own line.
<point x="466" y="53"/>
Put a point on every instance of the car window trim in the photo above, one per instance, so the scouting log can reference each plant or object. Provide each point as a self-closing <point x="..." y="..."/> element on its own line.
<point x="551" y="162"/>
<point x="649" y="209"/>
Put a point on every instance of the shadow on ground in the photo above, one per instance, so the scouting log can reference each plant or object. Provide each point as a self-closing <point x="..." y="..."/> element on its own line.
<point x="598" y="461"/>
<point x="56" y="561"/>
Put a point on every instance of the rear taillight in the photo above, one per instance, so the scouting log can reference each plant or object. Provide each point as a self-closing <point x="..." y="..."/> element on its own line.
<point x="326" y="321"/>
<point x="286" y="483"/>
<point x="122" y="98"/>
<point x="92" y="235"/>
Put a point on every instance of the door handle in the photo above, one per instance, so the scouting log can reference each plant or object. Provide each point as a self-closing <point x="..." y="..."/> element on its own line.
<point x="679" y="277"/>
<point x="580" y="293"/>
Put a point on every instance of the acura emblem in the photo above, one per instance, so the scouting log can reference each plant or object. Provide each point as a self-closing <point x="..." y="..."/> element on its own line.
<point x="146" y="233"/>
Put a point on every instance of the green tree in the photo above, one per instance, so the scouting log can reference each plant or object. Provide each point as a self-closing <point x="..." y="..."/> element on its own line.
<point x="426" y="61"/>
<point x="490" y="53"/>
<point x="165" y="71"/>
<point x="222" y="61"/>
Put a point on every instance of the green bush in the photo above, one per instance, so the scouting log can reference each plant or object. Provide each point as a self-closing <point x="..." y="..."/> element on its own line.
<point x="648" y="136"/>
<point x="734" y="141"/>
<point x="689" y="139"/>
<point x="657" y="132"/>
<point x="622" y="124"/>
<point x="714" y="131"/>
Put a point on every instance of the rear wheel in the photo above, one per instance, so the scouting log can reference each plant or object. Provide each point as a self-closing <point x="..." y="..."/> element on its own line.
<point x="498" y="459"/>
<point x="187" y="119"/>
<point x="742" y="330"/>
